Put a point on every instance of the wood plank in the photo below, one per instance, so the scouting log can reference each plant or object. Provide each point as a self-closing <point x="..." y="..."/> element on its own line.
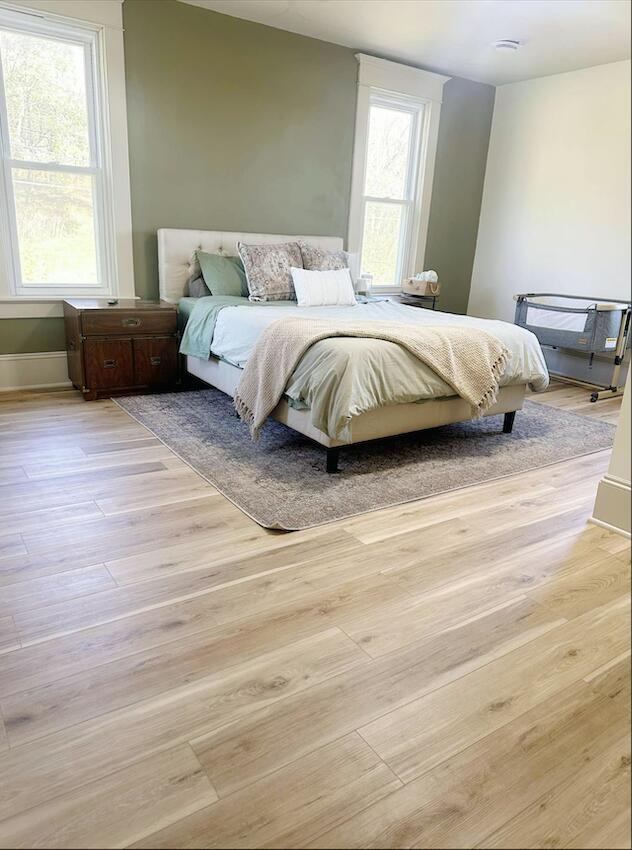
<point x="58" y="465"/>
<point x="29" y="436"/>
<point x="614" y="834"/>
<point x="444" y="589"/>
<point x="174" y="485"/>
<point x="125" y="534"/>
<point x="149" y="639"/>
<point x="615" y="543"/>
<point x="11" y="475"/>
<point x="254" y="747"/>
<point x="41" y="494"/>
<point x="613" y="679"/>
<point x="24" y="567"/>
<point x="8" y="635"/>
<point x="585" y="588"/>
<point x="583" y="802"/>
<point x="491" y="495"/>
<point x="225" y="605"/>
<point x="38" y="771"/>
<point x="529" y="510"/>
<point x="232" y="556"/>
<point x="10" y="545"/>
<point x="531" y="554"/>
<point x="40" y="456"/>
<point x="426" y="731"/>
<point x="467" y="797"/>
<point x="414" y="516"/>
<point x="117" y="810"/>
<point x="48" y="590"/>
<point x="290" y="807"/>
<point x="397" y="623"/>
<point x="77" y="431"/>
<point x="25" y="522"/>
<point x="96" y="690"/>
<point x="142" y="441"/>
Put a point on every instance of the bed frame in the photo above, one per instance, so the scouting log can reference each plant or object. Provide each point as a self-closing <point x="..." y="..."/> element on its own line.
<point x="177" y="265"/>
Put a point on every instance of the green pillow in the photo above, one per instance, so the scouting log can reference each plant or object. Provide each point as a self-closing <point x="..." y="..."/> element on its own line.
<point x="223" y="275"/>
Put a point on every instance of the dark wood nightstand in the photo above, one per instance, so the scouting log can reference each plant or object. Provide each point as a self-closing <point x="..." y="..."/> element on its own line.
<point x="427" y="301"/>
<point x="113" y="349"/>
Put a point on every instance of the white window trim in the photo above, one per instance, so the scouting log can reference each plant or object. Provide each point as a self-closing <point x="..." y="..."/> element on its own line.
<point x="103" y="17"/>
<point x="379" y="77"/>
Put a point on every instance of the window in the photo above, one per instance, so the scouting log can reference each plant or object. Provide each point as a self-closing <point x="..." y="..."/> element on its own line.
<point x="54" y="206"/>
<point x="396" y="128"/>
<point x="389" y="188"/>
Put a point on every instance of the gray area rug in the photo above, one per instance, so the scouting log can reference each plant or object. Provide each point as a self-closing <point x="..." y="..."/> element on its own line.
<point x="281" y="482"/>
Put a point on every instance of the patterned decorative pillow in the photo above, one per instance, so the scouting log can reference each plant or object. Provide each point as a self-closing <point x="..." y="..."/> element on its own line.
<point x="267" y="270"/>
<point x="318" y="260"/>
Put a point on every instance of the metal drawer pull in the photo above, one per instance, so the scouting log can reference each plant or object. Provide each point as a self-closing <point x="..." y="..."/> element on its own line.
<point x="155" y="361"/>
<point x="109" y="364"/>
<point x="130" y="322"/>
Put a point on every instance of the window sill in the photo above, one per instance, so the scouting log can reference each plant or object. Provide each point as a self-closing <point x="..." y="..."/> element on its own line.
<point x="28" y="307"/>
<point x="37" y="306"/>
<point x="385" y="290"/>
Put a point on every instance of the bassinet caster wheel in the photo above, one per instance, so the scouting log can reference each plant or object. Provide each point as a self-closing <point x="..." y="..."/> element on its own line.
<point x="594" y="397"/>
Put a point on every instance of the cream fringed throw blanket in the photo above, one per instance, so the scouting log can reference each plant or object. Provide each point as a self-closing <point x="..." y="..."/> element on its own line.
<point x="468" y="359"/>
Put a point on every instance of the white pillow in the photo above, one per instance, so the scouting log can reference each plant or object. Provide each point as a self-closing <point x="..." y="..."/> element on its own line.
<point x="323" y="288"/>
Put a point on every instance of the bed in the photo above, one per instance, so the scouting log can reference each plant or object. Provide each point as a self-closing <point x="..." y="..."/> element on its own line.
<point x="428" y="403"/>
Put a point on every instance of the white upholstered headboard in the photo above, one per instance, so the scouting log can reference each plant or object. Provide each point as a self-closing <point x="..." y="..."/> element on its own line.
<point x="176" y="252"/>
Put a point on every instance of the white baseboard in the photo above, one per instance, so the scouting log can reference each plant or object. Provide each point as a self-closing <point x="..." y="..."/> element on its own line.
<point x="613" y="505"/>
<point x="33" y="371"/>
<point x="607" y="525"/>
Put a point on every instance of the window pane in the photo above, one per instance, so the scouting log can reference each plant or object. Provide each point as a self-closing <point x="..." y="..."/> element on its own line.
<point x="387" y="152"/>
<point x="45" y="90"/>
<point x="380" y="244"/>
<point x="55" y="222"/>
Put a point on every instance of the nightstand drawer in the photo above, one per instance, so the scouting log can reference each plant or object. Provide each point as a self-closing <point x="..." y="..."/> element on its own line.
<point x="102" y="323"/>
<point x="109" y="363"/>
<point x="155" y="360"/>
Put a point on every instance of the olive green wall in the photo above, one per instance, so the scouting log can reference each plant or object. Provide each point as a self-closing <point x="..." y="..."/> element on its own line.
<point x="457" y="189"/>
<point x="233" y="126"/>
<point x="21" y="336"/>
<point x="238" y="126"/>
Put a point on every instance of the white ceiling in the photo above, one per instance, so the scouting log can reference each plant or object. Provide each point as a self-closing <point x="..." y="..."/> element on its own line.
<point x="454" y="36"/>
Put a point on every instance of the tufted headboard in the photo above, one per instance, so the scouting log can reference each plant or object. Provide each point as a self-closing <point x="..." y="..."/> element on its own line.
<point x="176" y="252"/>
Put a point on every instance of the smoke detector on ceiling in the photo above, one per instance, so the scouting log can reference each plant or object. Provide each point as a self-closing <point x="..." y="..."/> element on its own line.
<point x="506" y="45"/>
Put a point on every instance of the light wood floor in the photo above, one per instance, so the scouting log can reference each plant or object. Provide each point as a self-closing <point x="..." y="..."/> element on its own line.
<point x="450" y="673"/>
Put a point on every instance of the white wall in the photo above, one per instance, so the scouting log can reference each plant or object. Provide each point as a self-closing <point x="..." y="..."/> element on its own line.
<point x="613" y="503"/>
<point x="556" y="203"/>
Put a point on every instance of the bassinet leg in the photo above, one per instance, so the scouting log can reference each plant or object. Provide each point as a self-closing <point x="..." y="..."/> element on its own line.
<point x="333" y="456"/>
<point x="509" y="422"/>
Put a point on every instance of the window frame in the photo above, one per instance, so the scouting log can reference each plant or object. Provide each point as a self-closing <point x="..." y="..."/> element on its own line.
<point x="395" y="86"/>
<point x="98" y="28"/>
<point x="415" y="108"/>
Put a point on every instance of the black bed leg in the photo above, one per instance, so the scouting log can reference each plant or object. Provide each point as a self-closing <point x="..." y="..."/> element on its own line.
<point x="509" y="422"/>
<point x="332" y="459"/>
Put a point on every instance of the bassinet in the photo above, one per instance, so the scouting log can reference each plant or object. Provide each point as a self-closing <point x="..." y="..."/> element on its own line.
<point x="575" y="323"/>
